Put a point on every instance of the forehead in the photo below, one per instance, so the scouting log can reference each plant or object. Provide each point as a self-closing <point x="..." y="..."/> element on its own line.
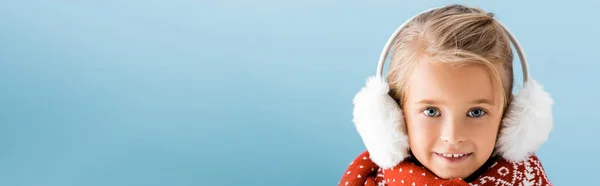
<point x="444" y="82"/>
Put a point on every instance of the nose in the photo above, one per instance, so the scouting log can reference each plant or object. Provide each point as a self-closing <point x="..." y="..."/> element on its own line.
<point x="453" y="131"/>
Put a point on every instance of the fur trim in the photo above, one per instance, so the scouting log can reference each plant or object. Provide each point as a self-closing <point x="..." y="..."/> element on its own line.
<point x="379" y="121"/>
<point x="527" y="123"/>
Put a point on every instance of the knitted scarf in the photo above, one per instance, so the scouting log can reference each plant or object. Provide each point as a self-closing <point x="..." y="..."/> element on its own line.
<point x="498" y="172"/>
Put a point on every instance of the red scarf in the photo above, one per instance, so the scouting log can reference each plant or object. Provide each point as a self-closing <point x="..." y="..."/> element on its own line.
<point x="363" y="172"/>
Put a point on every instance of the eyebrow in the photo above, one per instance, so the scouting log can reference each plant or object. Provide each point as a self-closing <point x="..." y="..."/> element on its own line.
<point x="426" y="102"/>
<point x="483" y="101"/>
<point x="433" y="102"/>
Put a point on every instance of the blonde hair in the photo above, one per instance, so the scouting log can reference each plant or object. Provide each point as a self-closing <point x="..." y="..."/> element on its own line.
<point x="455" y="35"/>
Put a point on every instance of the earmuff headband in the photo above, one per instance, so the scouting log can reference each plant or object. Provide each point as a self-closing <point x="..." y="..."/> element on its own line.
<point x="513" y="40"/>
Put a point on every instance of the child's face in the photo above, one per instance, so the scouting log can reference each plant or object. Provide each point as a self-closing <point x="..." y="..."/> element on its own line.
<point x="452" y="111"/>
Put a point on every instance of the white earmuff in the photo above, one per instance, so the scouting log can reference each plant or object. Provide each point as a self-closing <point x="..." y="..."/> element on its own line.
<point x="380" y="123"/>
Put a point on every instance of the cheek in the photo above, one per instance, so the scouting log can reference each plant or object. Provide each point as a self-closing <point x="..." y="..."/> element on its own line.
<point x="485" y="133"/>
<point x="422" y="133"/>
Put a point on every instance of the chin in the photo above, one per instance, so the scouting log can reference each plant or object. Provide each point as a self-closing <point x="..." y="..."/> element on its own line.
<point x="447" y="170"/>
<point x="450" y="174"/>
<point x="450" y="168"/>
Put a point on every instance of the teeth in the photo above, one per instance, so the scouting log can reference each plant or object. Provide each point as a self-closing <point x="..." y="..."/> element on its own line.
<point x="453" y="155"/>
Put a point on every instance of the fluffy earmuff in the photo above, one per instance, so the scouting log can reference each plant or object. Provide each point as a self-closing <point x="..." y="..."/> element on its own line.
<point x="527" y="123"/>
<point x="379" y="121"/>
<point x="381" y="125"/>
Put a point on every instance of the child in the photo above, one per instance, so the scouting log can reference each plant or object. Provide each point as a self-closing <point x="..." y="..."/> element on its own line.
<point x="447" y="115"/>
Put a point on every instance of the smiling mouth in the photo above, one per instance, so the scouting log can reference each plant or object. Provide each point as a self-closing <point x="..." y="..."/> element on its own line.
<point x="452" y="157"/>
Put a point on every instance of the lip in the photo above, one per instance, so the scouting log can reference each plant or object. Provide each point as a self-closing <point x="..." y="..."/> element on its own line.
<point x="454" y="157"/>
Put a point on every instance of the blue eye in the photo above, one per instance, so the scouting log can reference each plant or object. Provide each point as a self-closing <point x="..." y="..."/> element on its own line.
<point x="431" y="112"/>
<point x="476" y="112"/>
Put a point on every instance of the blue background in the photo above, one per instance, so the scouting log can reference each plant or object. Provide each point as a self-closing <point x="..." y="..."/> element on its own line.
<point x="231" y="92"/>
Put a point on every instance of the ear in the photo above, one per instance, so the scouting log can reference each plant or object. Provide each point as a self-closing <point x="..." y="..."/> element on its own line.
<point x="380" y="123"/>
<point x="527" y="123"/>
